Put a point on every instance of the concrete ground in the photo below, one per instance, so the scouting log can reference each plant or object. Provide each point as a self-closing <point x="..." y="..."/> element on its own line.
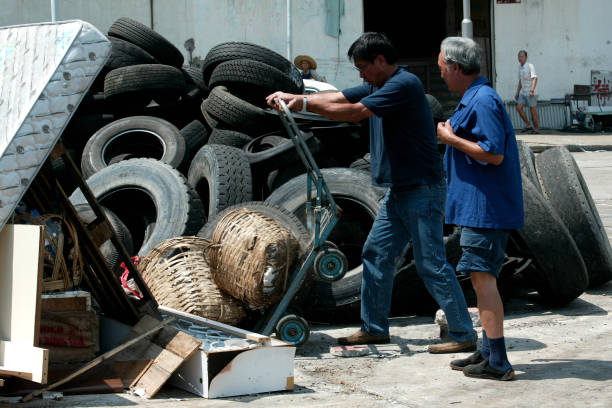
<point x="562" y="356"/>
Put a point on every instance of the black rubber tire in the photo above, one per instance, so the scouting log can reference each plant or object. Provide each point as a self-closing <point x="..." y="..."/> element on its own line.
<point x="195" y="135"/>
<point x="107" y="249"/>
<point x="221" y="175"/>
<point x="138" y="189"/>
<point x="228" y="137"/>
<point x="242" y="50"/>
<point x="136" y="85"/>
<point x="561" y="271"/>
<point x="237" y="113"/>
<point x="251" y="80"/>
<point x="409" y="292"/>
<point x="147" y="39"/>
<point x="360" y="202"/>
<point x="124" y="54"/>
<point x="210" y="120"/>
<point x="568" y="193"/>
<point x="527" y="159"/>
<point x="135" y="136"/>
<point x="194" y="78"/>
<point x="272" y="151"/>
<point x="364" y="164"/>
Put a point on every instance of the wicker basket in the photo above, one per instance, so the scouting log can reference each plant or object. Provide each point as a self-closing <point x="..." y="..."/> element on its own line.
<point x="177" y="273"/>
<point x="63" y="262"/>
<point x="252" y="257"/>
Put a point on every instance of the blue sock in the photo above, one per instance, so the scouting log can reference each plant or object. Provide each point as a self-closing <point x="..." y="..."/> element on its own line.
<point x="485" y="350"/>
<point x="497" y="357"/>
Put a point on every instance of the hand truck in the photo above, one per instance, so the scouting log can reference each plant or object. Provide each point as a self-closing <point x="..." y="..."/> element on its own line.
<point x="328" y="262"/>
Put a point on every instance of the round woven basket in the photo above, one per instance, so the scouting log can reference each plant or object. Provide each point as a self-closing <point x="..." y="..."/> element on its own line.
<point x="252" y="256"/>
<point x="177" y="273"/>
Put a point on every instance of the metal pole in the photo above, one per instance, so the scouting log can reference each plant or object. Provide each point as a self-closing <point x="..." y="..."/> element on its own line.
<point x="466" y="23"/>
<point x="289" y="30"/>
<point x="53" y="10"/>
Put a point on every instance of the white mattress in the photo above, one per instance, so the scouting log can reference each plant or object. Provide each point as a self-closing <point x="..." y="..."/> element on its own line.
<point x="45" y="70"/>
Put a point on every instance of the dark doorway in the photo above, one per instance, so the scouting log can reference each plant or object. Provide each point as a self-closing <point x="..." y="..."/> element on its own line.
<point x="417" y="28"/>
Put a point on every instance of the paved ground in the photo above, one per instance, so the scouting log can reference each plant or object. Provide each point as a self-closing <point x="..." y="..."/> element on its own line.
<point x="562" y="357"/>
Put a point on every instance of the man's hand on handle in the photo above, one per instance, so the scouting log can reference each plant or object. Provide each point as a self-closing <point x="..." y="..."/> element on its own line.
<point x="294" y="102"/>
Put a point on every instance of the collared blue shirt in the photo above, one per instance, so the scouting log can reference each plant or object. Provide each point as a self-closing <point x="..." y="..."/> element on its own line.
<point x="403" y="144"/>
<point x="482" y="195"/>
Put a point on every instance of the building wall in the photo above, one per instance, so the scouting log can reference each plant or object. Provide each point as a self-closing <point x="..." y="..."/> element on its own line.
<point x="565" y="40"/>
<point x="210" y="22"/>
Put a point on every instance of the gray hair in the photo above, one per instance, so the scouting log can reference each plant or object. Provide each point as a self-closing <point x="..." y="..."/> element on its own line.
<point x="462" y="51"/>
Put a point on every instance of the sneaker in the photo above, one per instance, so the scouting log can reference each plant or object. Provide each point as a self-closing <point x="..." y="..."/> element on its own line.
<point x="452" y="346"/>
<point x="361" y="337"/>
<point x="484" y="370"/>
<point x="461" y="363"/>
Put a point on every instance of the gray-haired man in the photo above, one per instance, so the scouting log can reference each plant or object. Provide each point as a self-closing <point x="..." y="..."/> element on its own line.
<point x="484" y="194"/>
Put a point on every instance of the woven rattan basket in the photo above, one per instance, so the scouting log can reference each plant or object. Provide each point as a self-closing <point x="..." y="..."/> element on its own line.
<point x="63" y="262"/>
<point x="177" y="273"/>
<point x="252" y="257"/>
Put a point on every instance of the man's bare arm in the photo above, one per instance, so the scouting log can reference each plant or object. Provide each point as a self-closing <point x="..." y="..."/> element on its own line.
<point x="332" y="105"/>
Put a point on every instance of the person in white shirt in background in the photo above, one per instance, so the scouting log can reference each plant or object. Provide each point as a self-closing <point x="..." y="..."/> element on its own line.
<point x="525" y="93"/>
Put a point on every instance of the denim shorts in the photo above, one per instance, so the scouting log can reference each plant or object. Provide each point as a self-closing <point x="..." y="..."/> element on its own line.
<point x="525" y="99"/>
<point x="483" y="250"/>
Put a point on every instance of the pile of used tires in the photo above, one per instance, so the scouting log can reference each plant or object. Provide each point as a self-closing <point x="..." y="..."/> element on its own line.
<point x="168" y="149"/>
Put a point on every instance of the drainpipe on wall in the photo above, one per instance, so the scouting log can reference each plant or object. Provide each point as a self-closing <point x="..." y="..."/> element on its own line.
<point x="53" y="10"/>
<point x="466" y="23"/>
<point x="151" y="6"/>
<point x="289" y="30"/>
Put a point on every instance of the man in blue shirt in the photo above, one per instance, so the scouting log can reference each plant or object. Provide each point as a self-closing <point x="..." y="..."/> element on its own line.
<point x="404" y="158"/>
<point x="484" y="194"/>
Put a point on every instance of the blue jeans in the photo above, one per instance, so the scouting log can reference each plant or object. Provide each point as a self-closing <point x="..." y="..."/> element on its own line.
<point x="414" y="215"/>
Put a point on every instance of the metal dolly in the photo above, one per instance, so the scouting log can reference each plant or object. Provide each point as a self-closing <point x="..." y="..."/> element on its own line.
<point x="329" y="263"/>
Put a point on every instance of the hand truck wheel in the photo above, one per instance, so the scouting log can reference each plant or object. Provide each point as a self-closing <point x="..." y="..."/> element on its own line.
<point x="293" y="329"/>
<point x="330" y="264"/>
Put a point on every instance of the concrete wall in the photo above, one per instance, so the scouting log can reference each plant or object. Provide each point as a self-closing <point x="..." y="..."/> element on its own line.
<point x="565" y="40"/>
<point x="210" y="22"/>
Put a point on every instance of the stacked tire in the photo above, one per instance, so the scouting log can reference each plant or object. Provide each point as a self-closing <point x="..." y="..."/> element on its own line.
<point x="563" y="234"/>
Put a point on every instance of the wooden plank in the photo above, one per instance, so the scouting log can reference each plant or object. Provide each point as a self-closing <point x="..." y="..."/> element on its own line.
<point x="172" y="347"/>
<point x="24" y="361"/>
<point x="98" y="360"/>
<point x="20" y="283"/>
<point x="259" y="338"/>
<point x="72" y="301"/>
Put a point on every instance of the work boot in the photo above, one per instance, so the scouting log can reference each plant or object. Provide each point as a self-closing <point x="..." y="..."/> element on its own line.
<point x="452" y="346"/>
<point x="360" y="337"/>
<point x="484" y="370"/>
<point x="461" y="363"/>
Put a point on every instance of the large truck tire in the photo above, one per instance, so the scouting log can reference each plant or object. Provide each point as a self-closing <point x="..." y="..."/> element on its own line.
<point x="133" y="137"/>
<point x="221" y="175"/>
<point x="150" y="197"/>
<point x="566" y="190"/>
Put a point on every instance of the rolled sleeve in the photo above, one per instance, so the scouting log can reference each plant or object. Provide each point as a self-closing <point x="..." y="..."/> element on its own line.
<point x="489" y="128"/>
<point x="356" y="93"/>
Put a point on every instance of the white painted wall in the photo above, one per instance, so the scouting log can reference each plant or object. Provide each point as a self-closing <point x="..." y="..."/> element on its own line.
<point x="210" y="22"/>
<point x="565" y="40"/>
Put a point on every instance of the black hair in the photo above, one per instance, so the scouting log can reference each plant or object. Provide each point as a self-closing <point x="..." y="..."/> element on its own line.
<point x="370" y="45"/>
<point x="524" y="52"/>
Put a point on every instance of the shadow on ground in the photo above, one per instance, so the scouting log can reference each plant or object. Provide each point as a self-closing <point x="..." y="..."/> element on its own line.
<point x="554" y="369"/>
